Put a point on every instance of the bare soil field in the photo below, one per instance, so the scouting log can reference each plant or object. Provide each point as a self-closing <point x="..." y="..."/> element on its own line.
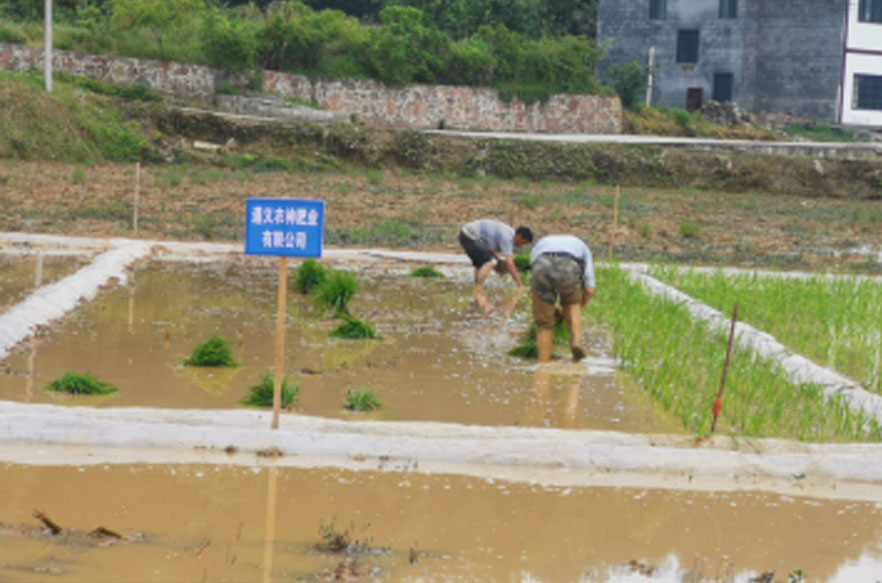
<point x="396" y="207"/>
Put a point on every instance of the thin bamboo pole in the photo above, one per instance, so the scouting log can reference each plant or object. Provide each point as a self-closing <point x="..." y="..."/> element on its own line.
<point x="281" y="312"/>
<point x="718" y="402"/>
<point x="615" y="225"/>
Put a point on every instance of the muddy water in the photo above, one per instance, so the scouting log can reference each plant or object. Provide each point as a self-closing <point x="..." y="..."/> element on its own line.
<point x="441" y="354"/>
<point x="21" y="275"/>
<point x="229" y="523"/>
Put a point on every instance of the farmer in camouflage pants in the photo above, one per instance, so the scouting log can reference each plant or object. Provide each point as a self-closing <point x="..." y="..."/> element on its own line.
<point x="562" y="272"/>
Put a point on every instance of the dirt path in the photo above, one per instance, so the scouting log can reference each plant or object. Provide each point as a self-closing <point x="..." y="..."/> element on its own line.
<point x="418" y="211"/>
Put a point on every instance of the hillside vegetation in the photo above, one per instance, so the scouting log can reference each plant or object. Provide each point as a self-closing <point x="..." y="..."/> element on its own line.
<point x="408" y="42"/>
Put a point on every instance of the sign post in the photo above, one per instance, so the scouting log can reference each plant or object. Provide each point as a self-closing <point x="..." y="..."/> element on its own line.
<point x="284" y="228"/>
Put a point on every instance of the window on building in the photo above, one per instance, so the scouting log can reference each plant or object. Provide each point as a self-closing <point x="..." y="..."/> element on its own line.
<point x="658" y="9"/>
<point x="687" y="46"/>
<point x="868" y="92"/>
<point x="728" y="8"/>
<point x="723" y="83"/>
<point x="870" y="11"/>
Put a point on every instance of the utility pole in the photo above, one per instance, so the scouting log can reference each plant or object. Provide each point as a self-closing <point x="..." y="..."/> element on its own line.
<point x="47" y="50"/>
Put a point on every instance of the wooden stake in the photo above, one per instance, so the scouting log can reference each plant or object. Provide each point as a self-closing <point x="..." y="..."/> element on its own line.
<point x="281" y="312"/>
<point x="718" y="402"/>
<point x="137" y="195"/>
<point x="615" y="226"/>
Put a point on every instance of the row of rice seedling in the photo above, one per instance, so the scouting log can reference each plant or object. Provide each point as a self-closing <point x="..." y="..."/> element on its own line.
<point x="834" y="321"/>
<point x="679" y="360"/>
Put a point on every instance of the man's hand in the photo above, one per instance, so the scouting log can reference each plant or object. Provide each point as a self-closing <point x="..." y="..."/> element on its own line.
<point x="586" y="297"/>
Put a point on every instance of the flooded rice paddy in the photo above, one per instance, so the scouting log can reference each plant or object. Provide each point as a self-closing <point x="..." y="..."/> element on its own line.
<point x="229" y="523"/>
<point x="22" y="274"/>
<point x="439" y="356"/>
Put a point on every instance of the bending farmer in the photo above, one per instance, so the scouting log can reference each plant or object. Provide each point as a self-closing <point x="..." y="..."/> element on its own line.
<point x="562" y="271"/>
<point x="486" y="240"/>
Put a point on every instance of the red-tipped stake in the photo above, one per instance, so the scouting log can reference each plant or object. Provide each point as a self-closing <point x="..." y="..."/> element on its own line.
<point x="718" y="402"/>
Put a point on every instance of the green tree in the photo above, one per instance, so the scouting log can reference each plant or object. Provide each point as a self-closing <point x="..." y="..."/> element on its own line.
<point x="157" y="16"/>
<point x="404" y="50"/>
<point x="229" y="43"/>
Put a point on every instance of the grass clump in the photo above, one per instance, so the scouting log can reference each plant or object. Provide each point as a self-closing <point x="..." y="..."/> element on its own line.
<point x="355" y="329"/>
<point x="261" y="394"/>
<point x="336" y="291"/>
<point x="215" y="351"/>
<point x="309" y="275"/>
<point x="425" y="271"/>
<point x="362" y="401"/>
<point x="80" y="384"/>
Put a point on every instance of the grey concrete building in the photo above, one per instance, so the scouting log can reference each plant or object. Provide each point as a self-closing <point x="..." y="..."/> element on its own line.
<point x="820" y="59"/>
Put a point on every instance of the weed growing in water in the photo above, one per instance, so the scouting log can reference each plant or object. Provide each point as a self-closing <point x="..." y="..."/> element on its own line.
<point x="425" y="271"/>
<point x="336" y="540"/>
<point x="310" y="274"/>
<point x="336" y="291"/>
<point x="80" y="384"/>
<point x="215" y="351"/>
<point x="362" y="401"/>
<point x="353" y="328"/>
<point x="261" y="394"/>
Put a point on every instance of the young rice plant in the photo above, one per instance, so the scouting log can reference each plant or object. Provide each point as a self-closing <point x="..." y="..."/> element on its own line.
<point x="678" y="360"/>
<point x="362" y="401"/>
<point x="261" y="394"/>
<point x="215" y="351"/>
<point x="80" y="384"/>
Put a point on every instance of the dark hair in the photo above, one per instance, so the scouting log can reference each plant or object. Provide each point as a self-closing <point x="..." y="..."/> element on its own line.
<point x="525" y="233"/>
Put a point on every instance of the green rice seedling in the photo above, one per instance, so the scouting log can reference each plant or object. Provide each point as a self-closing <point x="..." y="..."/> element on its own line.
<point x="80" y="384"/>
<point x="425" y="271"/>
<point x="336" y="291"/>
<point x="79" y="174"/>
<point x="527" y="346"/>
<point x="362" y="401"/>
<point x="353" y="328"/>
<point x="522" y="262"/>
<point x="215" y="351"/>
<point x="261" y="394"/>
<point x="678" y="361"/>
<point x="835" y="321"/>
<point x="310" y="274"/>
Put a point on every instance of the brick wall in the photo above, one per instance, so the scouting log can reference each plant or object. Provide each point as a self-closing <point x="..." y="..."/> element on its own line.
<point x="420" y="106"/>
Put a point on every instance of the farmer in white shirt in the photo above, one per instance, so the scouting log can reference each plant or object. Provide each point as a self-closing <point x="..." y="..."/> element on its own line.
<point x="562" y="272"/>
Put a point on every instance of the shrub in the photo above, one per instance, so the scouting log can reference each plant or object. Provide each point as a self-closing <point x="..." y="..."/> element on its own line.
<point x="362" y="401"/>
<point x="213" y="352"/>
<point x="425" y="271"/>
<point x="80" y="384"/>
<point x="336" y="291"/>
<point x="309" y="275"/>
<point x="261" y="394"/>
<point x="629" y="81"/>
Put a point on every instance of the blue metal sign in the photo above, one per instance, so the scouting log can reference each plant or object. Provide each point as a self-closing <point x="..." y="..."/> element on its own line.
<point x="283" y="226"/>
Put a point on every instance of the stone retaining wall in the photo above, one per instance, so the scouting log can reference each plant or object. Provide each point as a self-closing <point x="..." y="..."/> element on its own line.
<point x="418" y="106"/>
